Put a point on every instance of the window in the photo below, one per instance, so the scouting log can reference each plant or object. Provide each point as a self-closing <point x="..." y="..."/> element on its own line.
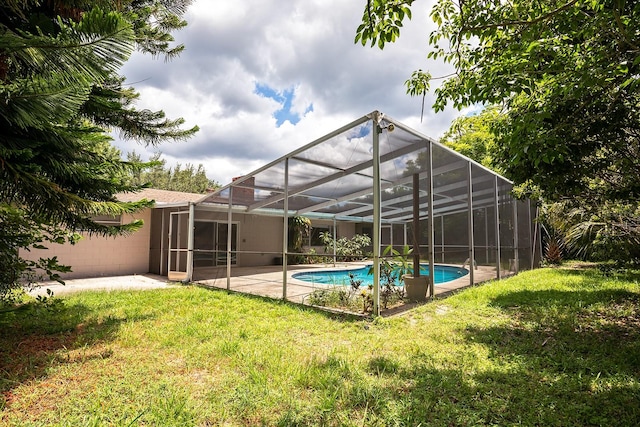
<point x="107" y="219"/>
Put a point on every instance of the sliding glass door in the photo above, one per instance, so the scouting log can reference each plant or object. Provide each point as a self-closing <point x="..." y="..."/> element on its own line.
<point x="210" y="243"/>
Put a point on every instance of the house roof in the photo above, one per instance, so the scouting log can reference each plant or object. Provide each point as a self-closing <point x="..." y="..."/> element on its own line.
<point x="161" y="197"/>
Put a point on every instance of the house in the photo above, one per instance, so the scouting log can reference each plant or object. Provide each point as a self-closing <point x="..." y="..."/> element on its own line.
<point x="368" y="177"/>
<point x="96" y="256"/>
<point x="147" y="250"/>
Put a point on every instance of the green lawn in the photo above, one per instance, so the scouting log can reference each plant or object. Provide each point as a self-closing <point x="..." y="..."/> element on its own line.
<point x="548" y="347"/>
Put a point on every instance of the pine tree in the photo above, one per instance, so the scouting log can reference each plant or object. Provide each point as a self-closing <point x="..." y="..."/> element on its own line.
<point x="60" y="93"/>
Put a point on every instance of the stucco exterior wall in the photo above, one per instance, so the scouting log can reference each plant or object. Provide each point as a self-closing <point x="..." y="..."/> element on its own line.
<point x="98" y="256"/>
<point x="259" y="243"/>
<point x="260" y="237"/>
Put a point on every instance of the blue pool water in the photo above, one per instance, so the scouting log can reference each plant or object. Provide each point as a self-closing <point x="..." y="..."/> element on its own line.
<point x="442" y="273"/>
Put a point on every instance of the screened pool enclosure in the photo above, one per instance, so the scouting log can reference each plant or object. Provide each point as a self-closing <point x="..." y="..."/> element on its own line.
<point x="367" y="177"/>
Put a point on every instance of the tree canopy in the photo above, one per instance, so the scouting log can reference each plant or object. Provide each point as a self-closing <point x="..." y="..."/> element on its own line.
<point x="60" y="95"/>
<point x="472" y="137"/>
<point x="565" y="72"/>
<point x="589" y="231"/>
<point x="156" y="174"/>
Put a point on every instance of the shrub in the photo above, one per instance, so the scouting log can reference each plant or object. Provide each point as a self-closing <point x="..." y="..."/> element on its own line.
<point x="346" y="249"/>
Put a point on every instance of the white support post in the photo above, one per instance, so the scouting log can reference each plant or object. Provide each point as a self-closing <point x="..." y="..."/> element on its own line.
<point x="472" y="252"/>
<point x="169" y="243"/>
<point x="162" y="242"/>
<point x="531" y="232"/>
<point x="376" y="214"/>
<point x="486" y="236"/>
<point x="497" y="205"/>
<point x="178" y="243"/>
<point x="229" y="230"/>
<point x="285" y="229"/>
<point x="335" y="238"/>
<point x="430" y="224"/>
<point x="190" y="240"/>
<point x="442" y="256"/>
<point x="539" y="232"/>
<point x="515" y="235"/>
<point x="404" y="234"/>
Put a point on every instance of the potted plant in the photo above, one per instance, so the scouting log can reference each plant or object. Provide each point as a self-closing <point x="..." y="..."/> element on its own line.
<point x="415" y="284"/>
<point x="404" y="269"/>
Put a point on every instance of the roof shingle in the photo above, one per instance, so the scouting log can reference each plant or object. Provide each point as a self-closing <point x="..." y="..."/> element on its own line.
<point x="160" y="196"/>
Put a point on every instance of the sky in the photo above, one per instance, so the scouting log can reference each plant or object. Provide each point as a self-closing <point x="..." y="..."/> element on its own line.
<point x="264" y="77"/>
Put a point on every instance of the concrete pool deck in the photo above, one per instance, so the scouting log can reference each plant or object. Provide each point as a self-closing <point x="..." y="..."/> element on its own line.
<point x="267" y="281"/>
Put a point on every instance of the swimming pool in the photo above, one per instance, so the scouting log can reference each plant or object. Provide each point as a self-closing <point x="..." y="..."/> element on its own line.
<point x="442" y="273"/>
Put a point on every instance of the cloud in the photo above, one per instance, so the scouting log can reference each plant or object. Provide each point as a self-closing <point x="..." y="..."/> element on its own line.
<point x="264" y="77"/>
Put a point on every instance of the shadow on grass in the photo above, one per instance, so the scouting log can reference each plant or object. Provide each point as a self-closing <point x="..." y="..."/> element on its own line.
<point x="532" y="301"/>
<point x="521" y="397"/>
<point x="32" y="336"/>
<point x="423" y="395"/>
<point x="566" y="358"/>
<point x="577" y="355"/>
<point x="597" y="275"/>
<point x="570" y="332"/>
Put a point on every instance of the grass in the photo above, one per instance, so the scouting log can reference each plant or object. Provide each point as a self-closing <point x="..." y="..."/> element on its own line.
<point x="548" y="347"/>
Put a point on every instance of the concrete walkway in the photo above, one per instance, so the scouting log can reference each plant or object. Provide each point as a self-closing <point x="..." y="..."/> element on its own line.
<point x="136" y="282"/>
